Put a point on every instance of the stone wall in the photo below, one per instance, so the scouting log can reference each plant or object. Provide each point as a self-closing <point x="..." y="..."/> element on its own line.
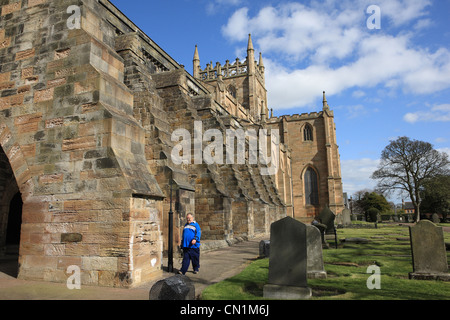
<point x="223" y="206"/>
<point x="76" y="150"/>
<point x="86" y="121"/>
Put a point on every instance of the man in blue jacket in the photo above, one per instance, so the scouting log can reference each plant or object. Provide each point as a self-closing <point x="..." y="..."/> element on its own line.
<point x="190" y="243"/>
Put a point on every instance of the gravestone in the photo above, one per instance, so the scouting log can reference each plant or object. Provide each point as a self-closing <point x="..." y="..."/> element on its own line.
<point x="428" y="252"/>
<point x="327" y="218"/>
<point x="315" y="265"/>
<point x="288" y="261"/>
<point x="346" y="217"/>
<point x="264" y="249"/>
<point x="178" y="287"/>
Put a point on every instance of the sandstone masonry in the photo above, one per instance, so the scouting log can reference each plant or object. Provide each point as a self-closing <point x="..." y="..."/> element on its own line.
<point x="86" y="117"/>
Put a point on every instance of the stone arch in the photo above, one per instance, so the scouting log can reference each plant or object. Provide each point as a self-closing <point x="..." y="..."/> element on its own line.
<point x="16" y="158"/>
<point x="8" y="189"/>
<point x="15" y="184"/>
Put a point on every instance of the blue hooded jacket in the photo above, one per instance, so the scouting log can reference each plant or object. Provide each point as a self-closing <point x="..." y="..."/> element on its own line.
<point x="191" y="231"/>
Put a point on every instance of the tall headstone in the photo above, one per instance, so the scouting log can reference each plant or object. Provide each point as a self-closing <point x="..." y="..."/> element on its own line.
<point x="315" y="265"/>
<point x="327" y="218"/>
<point x="346" y="217"/>
<point x="428" y="252"/>
<point x="288" y="261"/>
<point x="264" y="249"/>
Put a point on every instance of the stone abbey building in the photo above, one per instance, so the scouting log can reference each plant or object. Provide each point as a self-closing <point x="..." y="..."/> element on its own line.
<point x="88" y="107"/>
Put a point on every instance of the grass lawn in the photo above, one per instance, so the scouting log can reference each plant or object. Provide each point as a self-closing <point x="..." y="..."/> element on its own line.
<point x="346" y="267"/>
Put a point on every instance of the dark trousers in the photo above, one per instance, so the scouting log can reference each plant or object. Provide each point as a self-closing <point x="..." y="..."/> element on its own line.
<point x="190" y="254"/>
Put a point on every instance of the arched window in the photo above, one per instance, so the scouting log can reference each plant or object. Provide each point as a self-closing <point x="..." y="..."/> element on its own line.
<point x="308" y="133"/>
<point x="311" y="187"/>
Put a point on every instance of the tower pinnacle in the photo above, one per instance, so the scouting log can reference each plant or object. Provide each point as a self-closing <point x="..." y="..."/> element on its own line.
<point x="250" y="43"/>
<point x="261" y="63"/>
<point x="196" y="63"/>
<point x="196" y="55"/>
<point x="325" y="102"/>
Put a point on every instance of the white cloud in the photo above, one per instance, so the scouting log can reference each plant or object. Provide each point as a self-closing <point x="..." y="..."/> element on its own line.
<point x="296" y="30"/>
<point x="341" y="53"/>
<point x="445" y="150"/>
<point x="358" y="94"/>
<point x="439" y="113"/>
<point x="400" y="12"/>
<point x="356" y="174"/>
<point x="237" y="24"/>
<point x="423" y="24"/>
<point x="411" y="117"/>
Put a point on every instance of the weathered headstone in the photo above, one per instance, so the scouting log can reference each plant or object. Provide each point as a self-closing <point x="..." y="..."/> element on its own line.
<point x="178" y="287"/>
<point x="346" y="217"/>
<point x="288" y="261"/>
<point x="315" y="266"/>
<point x="264" y="248"/>
<point x="327" y="218"/>
<point x="428" y="252"/>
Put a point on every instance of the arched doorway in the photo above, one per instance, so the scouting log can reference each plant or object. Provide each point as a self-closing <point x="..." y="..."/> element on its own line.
<point x="10" y="218"/>
<point x="14" y="220"/>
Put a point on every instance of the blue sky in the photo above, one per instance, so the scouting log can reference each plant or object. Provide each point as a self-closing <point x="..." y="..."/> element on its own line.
<point x="381" y="83"/>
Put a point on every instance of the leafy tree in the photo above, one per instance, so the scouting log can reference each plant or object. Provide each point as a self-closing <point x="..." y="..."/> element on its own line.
<point x="373" y="204"/>
<point x="357" y="202"/>
<point x="373" y="214"/>
<point x="406" y="165"/>
<point x="437" y="195"/>
<point x="375" y="200"/>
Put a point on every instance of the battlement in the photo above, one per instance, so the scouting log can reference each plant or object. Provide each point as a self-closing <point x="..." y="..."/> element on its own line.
<point x="296" y="117"/>
<point x="228" y="70"/>
<point x="304" y="116"/>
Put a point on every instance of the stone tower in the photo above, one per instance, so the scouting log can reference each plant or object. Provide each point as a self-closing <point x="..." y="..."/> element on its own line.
<point x="316" y="168"/>
<point x="239" y="86"/>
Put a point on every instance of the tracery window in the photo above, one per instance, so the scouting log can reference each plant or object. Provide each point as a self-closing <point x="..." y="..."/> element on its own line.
<point x="308" y="133"/>
<point x="311" y="187"/>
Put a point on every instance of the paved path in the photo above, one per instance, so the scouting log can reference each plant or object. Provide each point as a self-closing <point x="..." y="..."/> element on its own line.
<point x="215" y="266"/>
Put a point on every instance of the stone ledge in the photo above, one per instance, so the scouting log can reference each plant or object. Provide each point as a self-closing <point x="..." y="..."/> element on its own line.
<point x="272" y="291"/>
<point x="316" y="274"/>
<point x="210" y="245"/>
<point x="429" y="276"/>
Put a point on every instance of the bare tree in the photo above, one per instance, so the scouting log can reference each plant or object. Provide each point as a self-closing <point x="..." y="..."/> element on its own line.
<point x="406" y="164"/>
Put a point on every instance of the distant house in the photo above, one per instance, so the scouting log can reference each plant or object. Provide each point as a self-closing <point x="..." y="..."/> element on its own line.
<point x="408" y="207"/>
